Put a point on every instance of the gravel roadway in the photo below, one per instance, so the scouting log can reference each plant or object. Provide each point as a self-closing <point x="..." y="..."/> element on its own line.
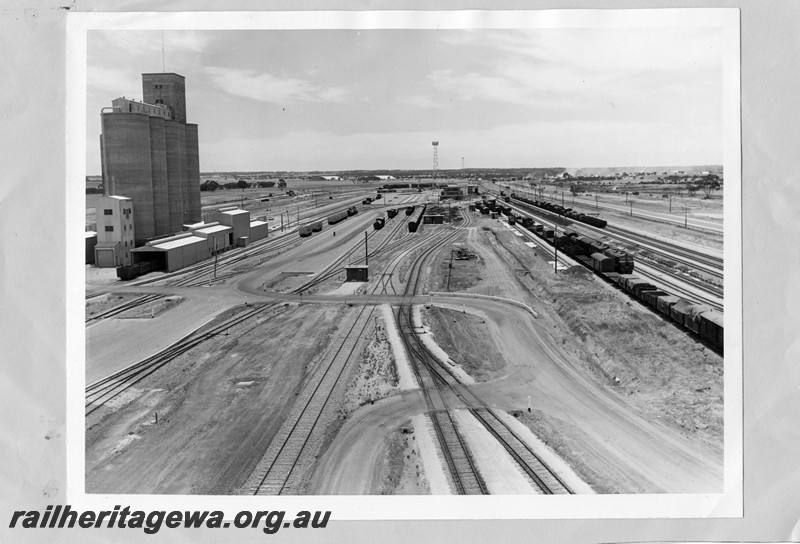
<point x="640" y="455"/>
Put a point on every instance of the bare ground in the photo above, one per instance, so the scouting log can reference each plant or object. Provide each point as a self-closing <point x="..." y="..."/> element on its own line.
<point x="480" y="357"/>
<point x="218" y="407"/>
<point x="402" y="471"/>
<point x="376" y="376"/>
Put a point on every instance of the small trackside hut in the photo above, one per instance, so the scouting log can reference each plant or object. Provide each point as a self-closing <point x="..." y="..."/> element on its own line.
<point x="357" y="272"/>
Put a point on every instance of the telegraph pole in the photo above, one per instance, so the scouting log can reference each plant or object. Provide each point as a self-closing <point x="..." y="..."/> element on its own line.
<point x="216" y="253"/>
<point x="366" y="251"/>
<point x="555" y="245"/>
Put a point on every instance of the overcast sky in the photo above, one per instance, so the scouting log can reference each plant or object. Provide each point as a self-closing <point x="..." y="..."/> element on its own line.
<point x="370" y="99"/>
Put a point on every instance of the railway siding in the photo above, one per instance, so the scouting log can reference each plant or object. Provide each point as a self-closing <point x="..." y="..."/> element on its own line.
<point x="286" y="461"/>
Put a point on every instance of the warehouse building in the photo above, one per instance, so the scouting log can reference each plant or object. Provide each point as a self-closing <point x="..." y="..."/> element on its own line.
<point x="150" y="155"/>
<point x="238" y="220"/>
<point x="218" y="237"/>
<point x="200" y="240"/>
<point x="174" y="252"/>
<point x="258" y="230"/>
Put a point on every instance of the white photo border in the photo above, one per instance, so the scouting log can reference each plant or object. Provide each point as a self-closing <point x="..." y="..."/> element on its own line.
<point x="729" y="503"/>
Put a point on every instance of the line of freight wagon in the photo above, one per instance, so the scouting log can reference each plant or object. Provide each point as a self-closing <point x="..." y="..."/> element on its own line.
<point x="562" y="211"/>
<point x="616" y="266"/>
<point x="380" y="222"/>
<point x="416" y="217"/>
<point x="307" y="230"/>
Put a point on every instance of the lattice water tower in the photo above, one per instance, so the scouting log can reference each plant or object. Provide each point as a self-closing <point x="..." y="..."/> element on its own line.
<point x="435" y="157"/>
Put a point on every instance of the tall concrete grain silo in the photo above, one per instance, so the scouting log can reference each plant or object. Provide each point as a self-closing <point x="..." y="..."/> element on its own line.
<point x="151" y="156"/>
<point x="127" y="171"/>
<point x="158" y="161"/>
<point x="192" y="206"/>
<point x="176" y="173"/>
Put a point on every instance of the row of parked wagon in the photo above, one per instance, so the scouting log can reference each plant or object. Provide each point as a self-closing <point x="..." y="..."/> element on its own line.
<point x="562" y="211"/>
<point x="616" y="267"/>
<point x="701" y="319"/>
<point x="416" y="217"/>
<point x="310" y="228"/>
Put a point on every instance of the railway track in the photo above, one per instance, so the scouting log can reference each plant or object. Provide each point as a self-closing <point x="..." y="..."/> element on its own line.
<point x="100" y="392"/>
<point x="712" y="292"/>
<point x="200" y="274"/>
<point x="131" y="304"/>
<point x="276" y="473"/>
<point x="539" y="474"/>
<point x="709" y="264"/>
<point x="433" y="375"/>
<point x="461" y="467"/>
<point x="335" y="267"/>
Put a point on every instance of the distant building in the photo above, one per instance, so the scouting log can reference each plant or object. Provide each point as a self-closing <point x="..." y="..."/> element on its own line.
<point x="453" y="191"/>
<point x="150" y="155"/>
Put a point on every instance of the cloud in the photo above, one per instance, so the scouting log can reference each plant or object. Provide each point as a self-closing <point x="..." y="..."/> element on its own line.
<point x="568" y="144"/>
<point x="417" y="101"/>
<point x="266" y="87"/>
<point x="148" y="43"/>
<point x="115" y="81"/>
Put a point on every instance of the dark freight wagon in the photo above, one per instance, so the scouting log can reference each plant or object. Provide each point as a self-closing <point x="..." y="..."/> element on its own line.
<point x="680" y="310"/>
<point x="651" y="297"/>
<point x="712" y="328"/>
<point x="602" y="263"/>
<point x="692" y="318"/>
<point x="335" y="218"/>
<point x="665" y="304"/>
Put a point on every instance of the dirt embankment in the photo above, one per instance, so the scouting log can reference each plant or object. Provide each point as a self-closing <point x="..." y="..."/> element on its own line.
<point x="376" y="375"/>
<point x="662" y="371"/>
<point x="218" y="407"/>
<point x="467" y="341"/>
<point x="402" y="472"/>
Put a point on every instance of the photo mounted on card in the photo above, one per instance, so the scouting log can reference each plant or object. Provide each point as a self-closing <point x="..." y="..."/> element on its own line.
<point x="406" y="265"/>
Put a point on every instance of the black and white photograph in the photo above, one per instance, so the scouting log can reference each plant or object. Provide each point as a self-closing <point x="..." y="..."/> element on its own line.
<point x="349" y="272"/>
<point x="465" y="260"/>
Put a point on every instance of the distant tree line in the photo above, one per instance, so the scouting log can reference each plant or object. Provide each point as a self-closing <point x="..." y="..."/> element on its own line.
<point x="211" y="185"/>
